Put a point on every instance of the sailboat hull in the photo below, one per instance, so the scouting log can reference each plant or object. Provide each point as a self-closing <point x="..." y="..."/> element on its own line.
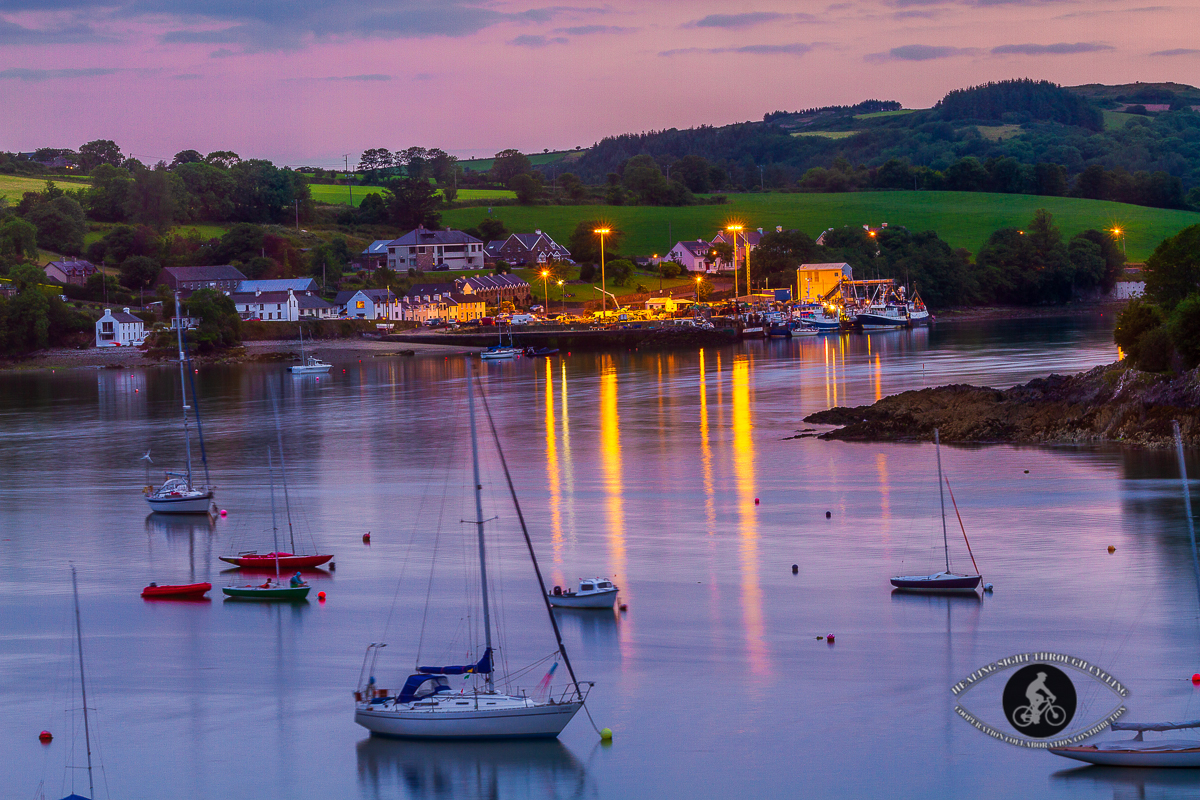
<point x="268" y="561"/>
<point x="286" y="593"/>
<point x="1184" y="757"/>
<point x="939" y="582"/>
<point x="416" y="721"/>
<point x="182" y="504"/>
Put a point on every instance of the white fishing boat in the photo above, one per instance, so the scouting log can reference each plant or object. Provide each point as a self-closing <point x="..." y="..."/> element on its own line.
<point x="178" y="494"/>
<point x="944" y="581"/>
<point x="918" y="314"/>
<point x="1139" y="751"/>
<point x="592" y="593"/>
<point x="308" y="364"/>
<point x="427" y="708"/>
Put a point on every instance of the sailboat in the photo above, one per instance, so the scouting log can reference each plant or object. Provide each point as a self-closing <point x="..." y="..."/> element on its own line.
<point x="945" y="581"/>
<point x="501" y="350"/>
<point x="310" y="364"/>
<point x="425" y="707"/>
<point x="1139" y="751"/>
<point x="295" y="590"/>
<point x="178" y="494"/>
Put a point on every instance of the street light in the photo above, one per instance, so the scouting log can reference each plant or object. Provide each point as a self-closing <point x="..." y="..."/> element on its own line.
<point x="602" y="232"/>
<point x="564" y="295"/>
<point x="546" y="286"/>
<point x="1121" y="234"/>
<point x="734" y="230"/>
<point x="699" y="279"/>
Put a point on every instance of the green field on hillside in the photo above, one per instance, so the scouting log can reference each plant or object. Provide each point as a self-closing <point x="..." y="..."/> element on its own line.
<point x="964" y="219"/>
<point x="484" y="164"/>
<point x="880" y="114"/>
<point x="330" y="193"/>
<point x="1115" y="120"/>
<point x="13" y="186"/>
<point x="828" y="134"/>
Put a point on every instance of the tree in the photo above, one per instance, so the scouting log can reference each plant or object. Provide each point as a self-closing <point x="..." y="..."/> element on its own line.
<point x="1173" y="269"/>
<point x="97" y="152"/>
<point x="1087" y="261"/>
<point x="694" y="172"/>
<point x="412" y="203"/>
<point x="26" y="276"/>
<point x="258" y="267"/>
<point x="187" y="157"/>
<point x="584" y="242"/>
<point x="109" y="196"/>
<point x="527" y="186"/>
<point x="572" y="186"/>
<point x="240" y="243"/>
<point x="1026" y="267"/>
<point x="60" y="225"/>
<point x="156" y="199"/>
<point x="125" y="241"/>
<point x="330" y="258"/>
<point x="372" y="210"/>
<point x="967" y="175"/>
<point x="138" y="272"/>
<point x="18" y="241"/>
<point x="508" y="164"/>
<point x="26" y="322"/>
<point x="224" y="159"/>
<point x="209" y="191"/>
<point x="415" y="161"/>
<point x="220" y="326"/>
<point x="1050" y="179"/>
<point x="618" y="272"/>
<point x="1183" y="326"/>
<point x="264" y="193"/>
<point x="492" y="229"/>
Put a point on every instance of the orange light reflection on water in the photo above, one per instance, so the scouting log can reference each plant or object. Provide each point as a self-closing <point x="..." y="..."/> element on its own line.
<point x="610" y="459"/>
<point x="743" y="470"/>
<point x="553" y="479"/>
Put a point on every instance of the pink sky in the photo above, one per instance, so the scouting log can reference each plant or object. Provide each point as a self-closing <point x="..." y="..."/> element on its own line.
<point x="304" y="81"/>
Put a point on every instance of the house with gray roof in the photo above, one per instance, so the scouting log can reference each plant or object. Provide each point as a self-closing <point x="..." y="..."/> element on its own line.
<point x="527" y="249"/>
<point x="368" y="304"/>
<point x="375" y="255"/>
<point x="72" y="272"/>
<point x="424" y="249"/>
<point x="119" y="329"/>
<point x="188" y="279"/>
<point x="278" y="285"/>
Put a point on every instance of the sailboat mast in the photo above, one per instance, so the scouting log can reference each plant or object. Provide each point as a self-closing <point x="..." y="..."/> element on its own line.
<point x="937" y="446"/>
<point x="1187" y="500"/>
<point x="87" y="736"/>
<point x="274" y="527"/>
<point x="187" y="436"/>
<point x="487" y="617"/>
<point x="287" y="500"/>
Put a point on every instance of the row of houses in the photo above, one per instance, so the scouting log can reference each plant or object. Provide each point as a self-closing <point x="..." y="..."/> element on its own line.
<point x="428" y="250"/>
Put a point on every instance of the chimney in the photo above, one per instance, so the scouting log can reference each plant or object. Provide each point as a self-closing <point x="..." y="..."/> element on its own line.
<point x="126" y="310"/>
<point x="257" y="292"/>
<point x="760" y="231"/>
<point x="538" y="231"/>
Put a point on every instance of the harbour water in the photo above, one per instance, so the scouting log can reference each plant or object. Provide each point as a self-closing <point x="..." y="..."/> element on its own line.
<point x="674" y="473"/>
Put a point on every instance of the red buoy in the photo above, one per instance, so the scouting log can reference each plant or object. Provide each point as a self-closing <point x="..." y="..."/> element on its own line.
<point x="1196" y="678"/>
<point x="321" y="596"/>
<point x="367" y="537"/>
<point x="44" y="737"/>
<point x="756" y="501"/>
<point x="224" y="512"/>
<point x="829" y="638"/>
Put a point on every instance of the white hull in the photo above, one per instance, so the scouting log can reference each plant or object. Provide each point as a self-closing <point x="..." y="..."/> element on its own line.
<point x="590" y="600"/>
<point x="494" y="355"/>
<point x="521" y="719"/>
<point x="306" y="369"/>
<point x="1189" y="757"/>
<point x="202" y="504"/>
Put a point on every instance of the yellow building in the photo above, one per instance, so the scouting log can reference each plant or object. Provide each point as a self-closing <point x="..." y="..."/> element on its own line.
<point x="814" y="281"/>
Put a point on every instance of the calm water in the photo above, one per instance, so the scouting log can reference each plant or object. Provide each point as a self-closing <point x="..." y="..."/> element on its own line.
<point x="642" y="466"/>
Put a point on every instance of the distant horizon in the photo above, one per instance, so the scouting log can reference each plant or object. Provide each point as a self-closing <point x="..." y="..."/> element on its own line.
<point x="304" y="85"/>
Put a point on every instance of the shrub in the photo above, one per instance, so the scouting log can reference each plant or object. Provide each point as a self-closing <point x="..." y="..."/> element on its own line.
<point x="1155" y="351"/>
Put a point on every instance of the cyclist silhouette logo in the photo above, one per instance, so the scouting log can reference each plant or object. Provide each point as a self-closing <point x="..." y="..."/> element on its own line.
<point x="1039" y="700"/>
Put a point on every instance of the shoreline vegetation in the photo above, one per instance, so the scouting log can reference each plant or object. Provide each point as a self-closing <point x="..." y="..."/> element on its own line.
<point x="1111" y="404"/>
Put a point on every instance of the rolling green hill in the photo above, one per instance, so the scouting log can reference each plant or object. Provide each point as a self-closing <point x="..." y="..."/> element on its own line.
<point x="332" y="193"/>
<point x="964" y="219"/>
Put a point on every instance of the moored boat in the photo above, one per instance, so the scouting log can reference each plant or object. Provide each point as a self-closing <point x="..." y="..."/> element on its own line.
<point x="267" y="591"/>
<point x="882" y="316"/>
<point x="176" y="590"/>
<point x="308" y="365"/>
<point x="1139" y="752"/>
<point x="255" y="560"/>
<point x="592" y="593"/>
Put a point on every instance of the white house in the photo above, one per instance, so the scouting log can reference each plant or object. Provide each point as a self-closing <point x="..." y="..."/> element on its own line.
<point x="694" y="256"/>
<point x="427" y="250"/>
<point x="281" y="306"/>
<point x="121" y="329"/>
<point x="369" y="304"/>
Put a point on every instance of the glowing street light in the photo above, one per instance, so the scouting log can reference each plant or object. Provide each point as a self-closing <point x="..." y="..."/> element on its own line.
<point x="562" y="285"/>
<point x="602" y="232"/>
<point x="699" y="280"/>
<point x="546" y="286"/>
<point x="1117" y="232"/>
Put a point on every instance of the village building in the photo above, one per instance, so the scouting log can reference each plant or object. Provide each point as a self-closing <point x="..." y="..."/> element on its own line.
<point x="186" y="280"/>
<point x="668" y="305"/>
<point x="817" y="280"/>
<point x="297" y="285"/>
<point x="271" y="306"/>
<point x="440" y="302"/>
<point x="527" y="249"/>
<point x="424" y="249"/>
<point x="312" y="306"/>
<point x="744" y="241"/>
<point x="374" y="257"/>
<point x="496" y="289"/>
<point x="694" y="256"/>
<point x="70" y="272"/>
<point x="368" y="304"/>
<point x="120" y="329"/>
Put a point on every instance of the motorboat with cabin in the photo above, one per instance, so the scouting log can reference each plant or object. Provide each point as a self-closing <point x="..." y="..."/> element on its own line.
<point x="592" y="593"/>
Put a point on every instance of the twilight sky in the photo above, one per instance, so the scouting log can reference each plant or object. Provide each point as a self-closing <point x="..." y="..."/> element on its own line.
<point x="304" y="81"/>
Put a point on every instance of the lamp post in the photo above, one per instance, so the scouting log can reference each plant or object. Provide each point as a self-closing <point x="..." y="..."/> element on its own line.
<point x="562" y="286"/>
<point x="602" y="232"/>
<point x="736" y="306"/>
<point x="546" y="286"/>
<point x="1120" y="233"/>
<point x="699" y="279"/>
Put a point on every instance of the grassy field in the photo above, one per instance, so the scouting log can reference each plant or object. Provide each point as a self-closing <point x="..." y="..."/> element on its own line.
<point x="997" y="133"/>
<point x="879" y="114"/>
<point x="13" y="186"/>
<point x="484" y="164"/>
<point x="328" y="193"/>
<point x="828" y="134"/>
<point x="1115" y="120"/>
<point x="964" y="219"/>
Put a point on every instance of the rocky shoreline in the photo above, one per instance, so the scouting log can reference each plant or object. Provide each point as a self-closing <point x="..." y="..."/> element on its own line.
<point x="1109" y="404"/>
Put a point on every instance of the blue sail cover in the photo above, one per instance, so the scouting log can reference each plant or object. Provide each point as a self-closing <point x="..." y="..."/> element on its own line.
<point x="483" y="667"/>
<point x="414" y="682"/>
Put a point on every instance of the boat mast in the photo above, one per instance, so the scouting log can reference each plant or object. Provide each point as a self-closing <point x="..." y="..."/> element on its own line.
<point x="487" y="618"/>
<point x="287" y="500"/>
<point x="942" y="496"/>
<point x="187" y="436"/>
<point x="87" y="738"/>
<point x="1187" y="500"/>
<point x="274" y="527"/>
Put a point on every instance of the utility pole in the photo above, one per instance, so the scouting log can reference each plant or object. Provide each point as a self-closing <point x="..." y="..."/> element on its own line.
<point x="346" y="159"/>
<point x="297" y="201"/>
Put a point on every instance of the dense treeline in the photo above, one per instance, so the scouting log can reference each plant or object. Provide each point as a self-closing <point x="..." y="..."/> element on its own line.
<point x="1027" y="99"/>
<point x="1161" y="331"/>
<point x="865" y="107"/>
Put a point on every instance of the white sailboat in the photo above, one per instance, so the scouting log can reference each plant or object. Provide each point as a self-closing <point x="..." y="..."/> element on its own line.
<point x="945" y="581"/>
<point x="178" y="493"/>
<point x="501" y="350"/>
<point x="1139" y="751"/>
<point x="425" y="708"/>
<point x="308" y="365"/>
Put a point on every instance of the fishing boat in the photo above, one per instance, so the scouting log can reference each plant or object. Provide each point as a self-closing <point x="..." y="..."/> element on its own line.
<point x="592" y="593"/>
<point x="882" y="316"/>
<point x="427" y="708"/>
<point x="918" y="314"/>
<point x="308" y="364"/>
<point x="944" y="581"/>
<point x="176" y="590"/>
<point x="295" y="589"/>
<point x="501" y="350"/>
<point x="178" y="494"/>
<point x="1139" y="751"/>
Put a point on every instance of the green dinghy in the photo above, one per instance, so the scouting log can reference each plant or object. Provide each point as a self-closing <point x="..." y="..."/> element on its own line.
<point x="275" y="592"/>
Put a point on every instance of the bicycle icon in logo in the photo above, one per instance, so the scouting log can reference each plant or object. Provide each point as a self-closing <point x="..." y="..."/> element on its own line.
<point x="1039" y="700"/>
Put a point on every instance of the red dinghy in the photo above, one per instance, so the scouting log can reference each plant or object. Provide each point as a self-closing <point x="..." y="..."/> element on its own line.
<point x="268" y="560"/>
<point x="178" y="590"/>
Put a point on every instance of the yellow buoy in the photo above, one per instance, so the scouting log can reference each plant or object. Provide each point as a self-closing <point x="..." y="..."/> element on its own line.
<point x="606" y="734"/>
<point x="1112" y="549"/>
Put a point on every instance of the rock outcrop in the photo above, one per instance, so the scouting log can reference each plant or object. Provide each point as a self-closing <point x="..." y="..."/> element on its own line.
<point x="1114" y="403"/>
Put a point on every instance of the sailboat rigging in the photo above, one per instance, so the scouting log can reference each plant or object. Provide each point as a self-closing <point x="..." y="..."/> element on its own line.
<point x="425" y="708"/>
<point x="178" y="494"/>
<point x="308" y="364"/>
<point x="945" y="581"/>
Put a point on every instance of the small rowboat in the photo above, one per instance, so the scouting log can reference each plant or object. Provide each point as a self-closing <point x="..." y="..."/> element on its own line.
<point x="275" y="591"/>
<point x="176" y="590"/>
<point x="286" y="561"/>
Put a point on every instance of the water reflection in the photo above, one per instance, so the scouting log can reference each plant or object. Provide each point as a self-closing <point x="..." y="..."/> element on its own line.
<point x="553" y="469"/>
<point x="610" y="458"/>
<point x="470" y="770"/>
<point x="169" y="534"/>
<point x="596" y="628"/>
<point x="744" y="477"/>
<point x="1129" y="784"/>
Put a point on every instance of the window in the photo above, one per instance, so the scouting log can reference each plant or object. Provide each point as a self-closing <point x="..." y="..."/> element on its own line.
<point x="585" y="587"/>
<point x="360" y="304"/>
